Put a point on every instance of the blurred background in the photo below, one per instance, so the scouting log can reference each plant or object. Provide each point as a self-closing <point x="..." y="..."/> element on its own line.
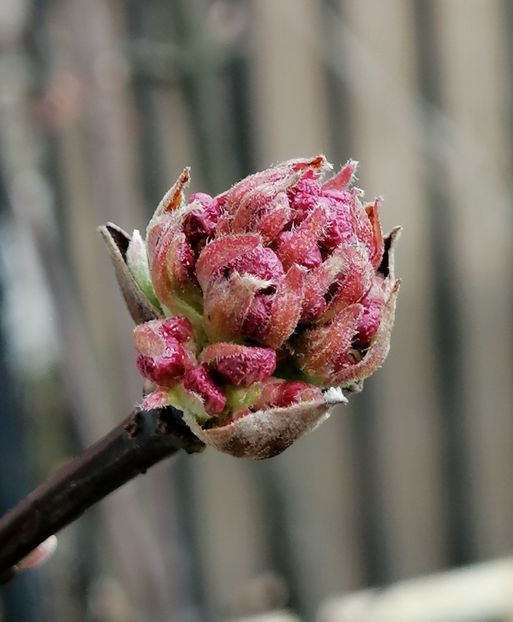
<point x="101" y="105"/>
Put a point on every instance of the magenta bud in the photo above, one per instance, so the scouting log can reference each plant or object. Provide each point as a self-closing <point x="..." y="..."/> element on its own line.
<point x="277" y="393"/>
<point x="199" y="382"/>
<point x="200" y="221"/>
<point x="162" y="357"/>
<point x="241" y="366"/>
<point x="163" y="370"/>
<point x="179" y="328"/>
<point x="279" y="295"/>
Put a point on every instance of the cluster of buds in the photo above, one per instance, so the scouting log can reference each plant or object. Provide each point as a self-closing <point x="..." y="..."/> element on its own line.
<point x="259" y="309"/>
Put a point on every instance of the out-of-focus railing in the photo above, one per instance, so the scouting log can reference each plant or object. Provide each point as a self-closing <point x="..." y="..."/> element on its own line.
<point x="101" y="105"/>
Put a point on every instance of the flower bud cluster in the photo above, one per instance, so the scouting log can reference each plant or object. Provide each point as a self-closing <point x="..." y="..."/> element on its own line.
<point x="265" y="297"/>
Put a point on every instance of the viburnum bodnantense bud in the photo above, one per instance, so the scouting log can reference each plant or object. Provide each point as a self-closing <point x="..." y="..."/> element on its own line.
<point x="259" y="309"/>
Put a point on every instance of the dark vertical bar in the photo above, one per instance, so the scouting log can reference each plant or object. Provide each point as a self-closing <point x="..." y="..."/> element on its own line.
<point x="339" y="96"/>
<point x="198" y="77"/>
<point x="445" y="308"/>
<point x="239" y="104"/>
<point x="38" y="45"/>
<point x="363" y="407"/>
<point x="507" y="24"/>
<point x="20" y="599"/>
<point x="193" y="578"/>
<point x="364" y="415"/>
<point x="279" y="536"/>
<point x="153" y="175"/>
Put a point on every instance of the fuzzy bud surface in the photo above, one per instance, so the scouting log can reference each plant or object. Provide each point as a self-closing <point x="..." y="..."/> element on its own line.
<point x="272" y="301"/>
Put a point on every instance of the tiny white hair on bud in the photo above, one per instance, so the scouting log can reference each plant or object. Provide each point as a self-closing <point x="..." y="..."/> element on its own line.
<point x="137" y="235"/>
<point x="255" y="282"/>
<point x="334" y="395"/>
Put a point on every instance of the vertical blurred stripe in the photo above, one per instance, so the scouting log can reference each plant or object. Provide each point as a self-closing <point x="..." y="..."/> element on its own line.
<point x="405" y="438"/>
<point x="446" y="309"/>
<point x="18" y="599"/>
<point x="475" y="79"/>
<point x="313" y="480"/>
<point x="290" y="100"/>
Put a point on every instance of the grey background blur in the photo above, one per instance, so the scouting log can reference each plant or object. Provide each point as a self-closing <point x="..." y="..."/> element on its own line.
<point x="101" y="105"/>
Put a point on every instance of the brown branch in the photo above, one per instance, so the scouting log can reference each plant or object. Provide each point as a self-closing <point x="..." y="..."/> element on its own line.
<point x="142" y="440"/>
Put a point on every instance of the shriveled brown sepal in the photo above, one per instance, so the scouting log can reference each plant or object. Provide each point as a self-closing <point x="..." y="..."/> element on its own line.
<point x="266" y="433"/>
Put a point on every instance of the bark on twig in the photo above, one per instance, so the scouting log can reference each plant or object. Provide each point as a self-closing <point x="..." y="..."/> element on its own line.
<point x="139" y="442"/>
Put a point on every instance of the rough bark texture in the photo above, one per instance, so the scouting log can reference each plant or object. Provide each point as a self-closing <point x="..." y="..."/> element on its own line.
<point x="142" y="440"/>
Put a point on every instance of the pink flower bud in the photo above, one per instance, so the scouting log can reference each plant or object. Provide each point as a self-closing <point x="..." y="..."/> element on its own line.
<point x="201" y="219"/>
<point x="162" y="357"/>
<point x="163" y="370"/>
<point x="282" y="289"/>
<point x="277" y="393"/>
<point x="239" y="365"/>
<point x="199" y="382"/>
